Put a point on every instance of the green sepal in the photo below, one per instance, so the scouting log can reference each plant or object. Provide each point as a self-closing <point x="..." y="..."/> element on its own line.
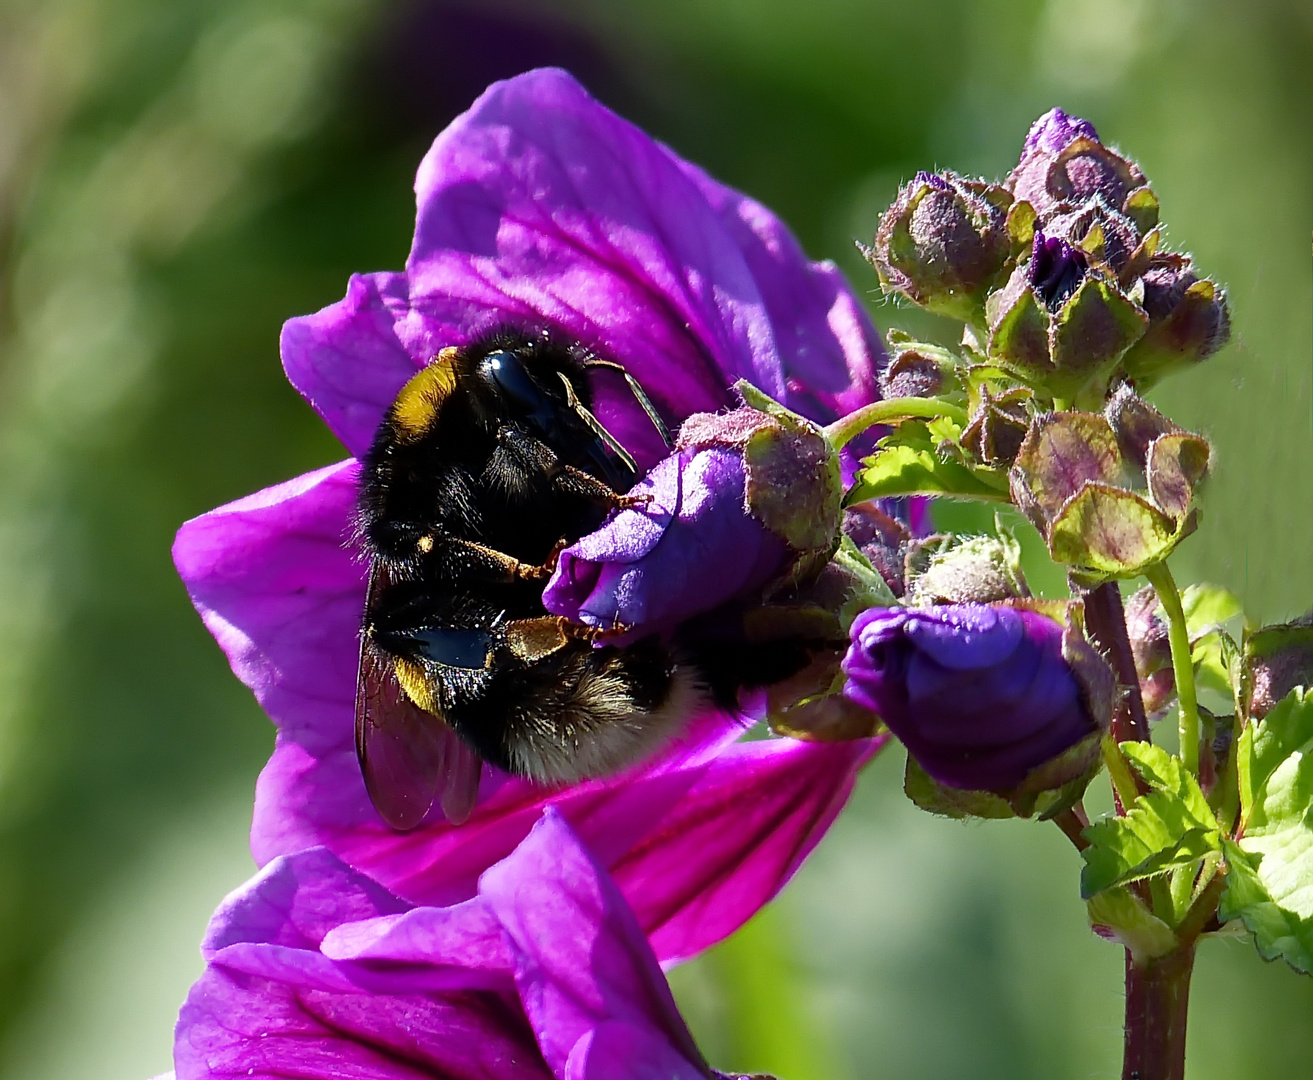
<point x="907" y="462"/>
<point x="1093" y="328"/>
<point x="1108" y="532"/>
<point x="934" y="797"/>
<point x="1170" y="826"/>
<point x="1125" y="918"/>
<point x="1141" y="207"/>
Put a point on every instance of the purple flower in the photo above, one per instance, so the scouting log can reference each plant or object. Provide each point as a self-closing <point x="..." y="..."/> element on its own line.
<point x="1056" y="268"/>
<point x="315" y="971"/>
<point x="538" y="207"/>
<point x="981" y="694"/>
<point x="691" y="548"/>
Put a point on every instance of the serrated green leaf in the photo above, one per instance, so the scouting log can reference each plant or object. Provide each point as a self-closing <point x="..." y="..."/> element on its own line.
<point x="1279" y="933"/>
<point x="1170" y="826"/>
<point x="906" y="463"/>
<point x="1271" y="755"/>
<point x="1270" y="885"/>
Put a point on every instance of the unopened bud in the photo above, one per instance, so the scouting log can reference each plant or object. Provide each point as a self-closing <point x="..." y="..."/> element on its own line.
<point x="998" y="426"/>
<point x="972" y="570"/>
<point x="1188" y="319"/>
<point x="943" y="243"/>
<point x="1062" y="161"/>
<point x="1277" y="659"/>
<point x="1148" y="630"/>
<point x="917" y="370"/>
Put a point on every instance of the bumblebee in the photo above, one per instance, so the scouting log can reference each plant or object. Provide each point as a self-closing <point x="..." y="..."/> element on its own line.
<point x="486" y="465"/>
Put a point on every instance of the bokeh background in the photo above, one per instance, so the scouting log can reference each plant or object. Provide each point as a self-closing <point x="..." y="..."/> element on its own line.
<point x="177" y="177"/>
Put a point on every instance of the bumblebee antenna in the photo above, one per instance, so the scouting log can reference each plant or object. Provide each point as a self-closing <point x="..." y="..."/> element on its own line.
<point x="639" y="395"/>
<point x="572" y="399"/>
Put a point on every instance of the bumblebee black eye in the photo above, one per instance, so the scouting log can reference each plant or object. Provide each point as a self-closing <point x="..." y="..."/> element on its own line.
<point x="505" y="370"/>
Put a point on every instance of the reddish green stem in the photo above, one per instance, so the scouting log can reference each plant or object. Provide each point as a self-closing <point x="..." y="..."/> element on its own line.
<point x="1157" y="999"/>
<point x="1105" y="620"/>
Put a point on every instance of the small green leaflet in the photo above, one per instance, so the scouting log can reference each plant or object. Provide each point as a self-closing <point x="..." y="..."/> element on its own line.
<point x="1207" y="606"/>
<point x="1171" y="826"/>
<point x="1270" y="885"/>
<point x="906" y="463"/>
<point x="1207" y="609"/>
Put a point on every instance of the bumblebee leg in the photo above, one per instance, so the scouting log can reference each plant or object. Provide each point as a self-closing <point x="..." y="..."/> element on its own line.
<point x="634" y="388"/>
<point x="574" y="481"/>
<point x="566" y="479"/>
<point x="500" y="566"/>
<point x="532" y="639"/>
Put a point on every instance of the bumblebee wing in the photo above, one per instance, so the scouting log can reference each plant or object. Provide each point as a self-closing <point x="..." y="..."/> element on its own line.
<point x="400" y="746"/>
<point x="458" y="779"/>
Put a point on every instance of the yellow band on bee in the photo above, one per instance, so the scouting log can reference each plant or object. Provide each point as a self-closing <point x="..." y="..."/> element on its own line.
<point x="420" y="399"/>
<point x="415" y="686"/>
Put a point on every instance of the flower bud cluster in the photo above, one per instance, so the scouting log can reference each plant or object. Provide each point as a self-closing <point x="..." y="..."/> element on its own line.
<point x="1059" y="271"/>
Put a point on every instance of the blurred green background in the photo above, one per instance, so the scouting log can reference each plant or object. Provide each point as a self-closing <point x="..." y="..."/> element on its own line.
<point x="178" y="177"/>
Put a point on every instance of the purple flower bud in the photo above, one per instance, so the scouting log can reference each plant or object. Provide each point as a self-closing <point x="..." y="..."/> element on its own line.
<point x="982" y="695"/>
<point x="943" y="242"/>
<point x="1188" y="319"/>
<point x="1277" y="659"/>
<point x="1054" y="130"/>
<point x="1147" y="629"/>
<point x="1107" y="234"/>
<point x="1056" y="268"/>
<point x="748" y="498"/>
<point x="1062" y="161"/>
<point x="692" y="547"/>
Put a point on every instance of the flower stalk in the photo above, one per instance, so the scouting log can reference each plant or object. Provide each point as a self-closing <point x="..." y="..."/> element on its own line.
<point x="847" y="428"/>
<point x="1160" y="577"/>
<point x="1157" y="1001"/>
<point x="1105" y="619"/>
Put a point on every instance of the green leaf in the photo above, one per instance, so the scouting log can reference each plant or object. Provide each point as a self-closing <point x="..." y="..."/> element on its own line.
<point x="907" y="463"/>
<point x="1120" y="913"/>
<point x="1270" y="884"/>
<point x="1207" y="606"/>
<point x="1170" y="826"/>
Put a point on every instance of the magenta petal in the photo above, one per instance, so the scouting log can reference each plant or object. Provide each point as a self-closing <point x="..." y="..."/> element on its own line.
<point x="581" y="959"/>
<point x="348" y="360"/>
<point x="540" y="207"/>
<point x="273" y="579"/>
<point x="295" y="901"/>
<point x="235" y="1025"/>
<point x="831" y="351"/>
<point x="271" y="1004"/>
<point x="736" y="839"/>
<point x="465" y="935"/>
